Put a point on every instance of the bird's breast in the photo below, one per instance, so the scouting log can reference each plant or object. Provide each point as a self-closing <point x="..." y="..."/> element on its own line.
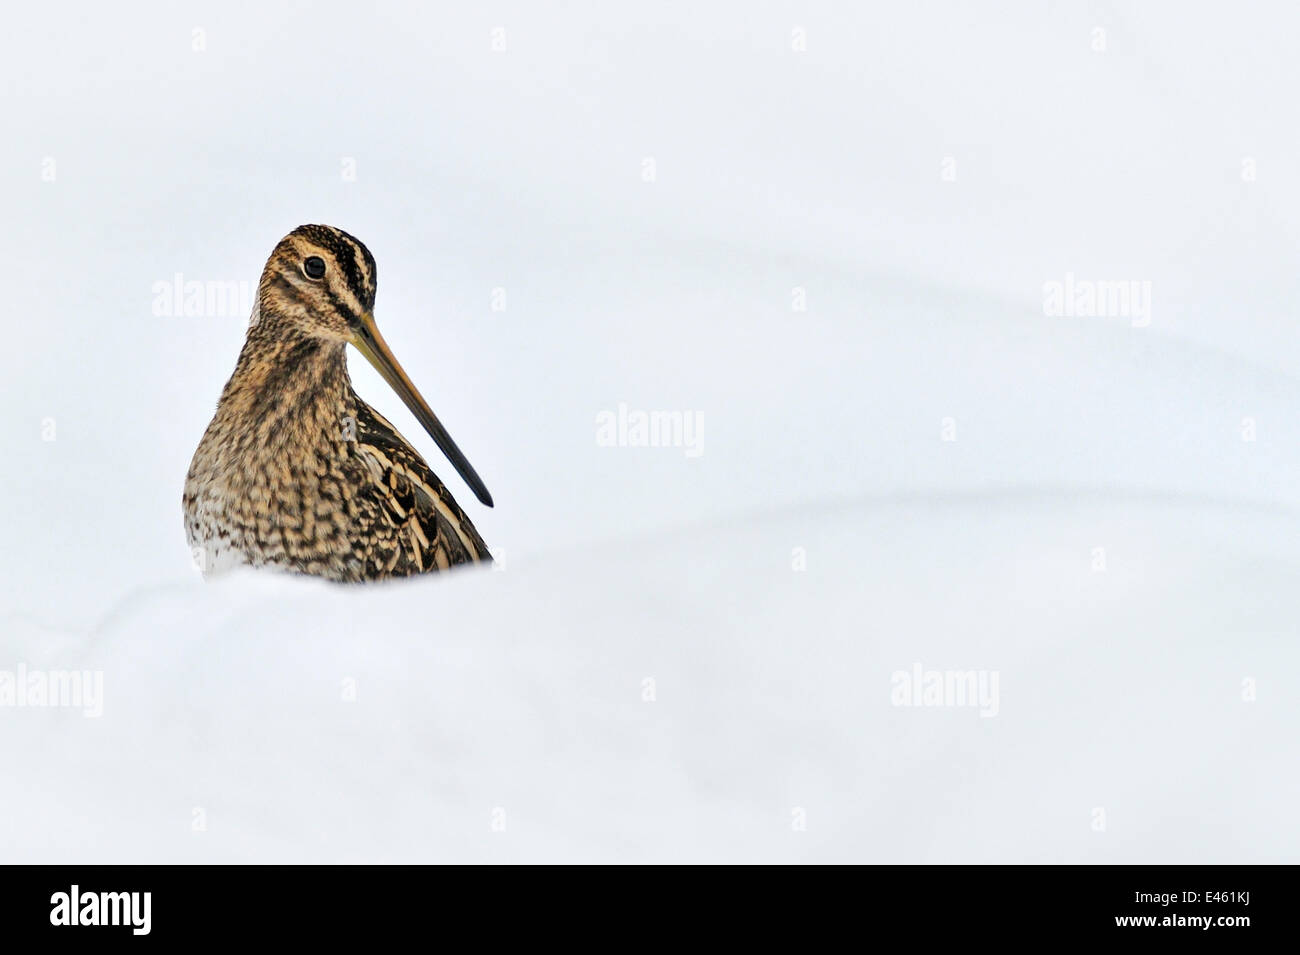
<point x="282" y="496"/>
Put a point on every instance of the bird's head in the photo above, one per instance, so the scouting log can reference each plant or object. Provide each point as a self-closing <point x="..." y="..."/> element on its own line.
<point x="320" y="282"/>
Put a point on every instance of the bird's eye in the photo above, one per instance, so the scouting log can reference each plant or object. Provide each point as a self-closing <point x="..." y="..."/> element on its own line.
<point x="314" y="266"/>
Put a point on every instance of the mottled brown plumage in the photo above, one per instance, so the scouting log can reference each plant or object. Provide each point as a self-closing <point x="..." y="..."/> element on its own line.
<point x="295" y="470"/>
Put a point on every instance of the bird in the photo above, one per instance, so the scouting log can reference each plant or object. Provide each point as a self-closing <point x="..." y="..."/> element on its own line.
<point x="297" y="473"/>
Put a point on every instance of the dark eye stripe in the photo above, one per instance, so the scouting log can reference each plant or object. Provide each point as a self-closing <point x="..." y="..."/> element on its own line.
<point x="344" y="309"/>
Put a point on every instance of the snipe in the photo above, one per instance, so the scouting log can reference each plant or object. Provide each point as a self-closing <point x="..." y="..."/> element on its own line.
<point x="296" y="471"/>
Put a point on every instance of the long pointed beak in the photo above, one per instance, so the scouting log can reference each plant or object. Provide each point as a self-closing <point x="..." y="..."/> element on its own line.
<point x="371" y="344"/>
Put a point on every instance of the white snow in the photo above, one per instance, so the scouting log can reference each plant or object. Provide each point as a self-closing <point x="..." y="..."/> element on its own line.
<point x="1112" y="530"/>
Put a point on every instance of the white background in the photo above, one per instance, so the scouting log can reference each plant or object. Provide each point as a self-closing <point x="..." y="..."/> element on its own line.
<point x="517" y="695"/>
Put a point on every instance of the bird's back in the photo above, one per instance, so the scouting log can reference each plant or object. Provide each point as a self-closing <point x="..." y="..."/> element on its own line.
<point x="411" y="522"/>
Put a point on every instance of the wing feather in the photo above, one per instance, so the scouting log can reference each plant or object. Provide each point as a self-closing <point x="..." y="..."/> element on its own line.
<point x="432" y="530"/>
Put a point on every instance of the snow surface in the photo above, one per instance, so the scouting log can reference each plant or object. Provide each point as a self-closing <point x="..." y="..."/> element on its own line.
<point x="1099" y="534"/>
